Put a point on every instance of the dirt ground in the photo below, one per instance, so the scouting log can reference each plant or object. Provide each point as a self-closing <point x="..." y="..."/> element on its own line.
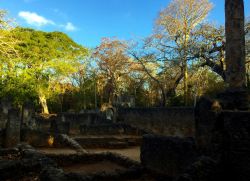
<point x="57" y="151"/>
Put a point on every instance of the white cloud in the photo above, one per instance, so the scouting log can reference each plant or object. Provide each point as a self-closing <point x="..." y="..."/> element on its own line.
<point x="34" y="19"/>
<point x="70" y="27"/>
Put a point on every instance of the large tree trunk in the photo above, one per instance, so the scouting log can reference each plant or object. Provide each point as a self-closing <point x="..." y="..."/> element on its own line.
<point x="235" y="44"/>
<point x="43" y="103"/>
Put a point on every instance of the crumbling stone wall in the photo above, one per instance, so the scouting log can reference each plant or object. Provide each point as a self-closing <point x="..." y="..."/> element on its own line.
<point x="224" y="135"/>
<point x="163" y="121"/>
<point x="75" y="120"/>
<point x="110" y="129"/>
<point x="236" y="142"/>
<point x="13" y="129"/>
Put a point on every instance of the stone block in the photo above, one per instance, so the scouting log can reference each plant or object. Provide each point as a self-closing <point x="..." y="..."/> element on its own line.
<point x="169" y="156"/>
<point x="13" y="129"/>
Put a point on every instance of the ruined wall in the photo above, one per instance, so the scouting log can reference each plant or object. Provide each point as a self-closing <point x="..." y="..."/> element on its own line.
<point x="167" y="155"/>
<point x="236" y="142"/>
<point x="225" y="136"/>
<point x="110" y="129"/>
<point x="76" y="120"/>
<point x="3" y="120"/>
<point x="163" y="121"/>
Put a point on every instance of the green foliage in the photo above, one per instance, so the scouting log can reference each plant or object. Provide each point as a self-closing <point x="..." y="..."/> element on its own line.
<point x="43" y="58"/>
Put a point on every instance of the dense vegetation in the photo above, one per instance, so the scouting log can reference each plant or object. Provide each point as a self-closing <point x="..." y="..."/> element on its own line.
<point x="182" y="60"/>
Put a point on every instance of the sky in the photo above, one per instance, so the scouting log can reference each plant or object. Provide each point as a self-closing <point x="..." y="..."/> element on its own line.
<point x="88" y="21"/>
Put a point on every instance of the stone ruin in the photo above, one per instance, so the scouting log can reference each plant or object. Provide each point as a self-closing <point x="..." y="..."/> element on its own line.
<point x="217" y="149"/>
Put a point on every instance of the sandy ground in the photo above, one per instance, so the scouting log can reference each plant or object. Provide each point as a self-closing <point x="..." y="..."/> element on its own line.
<point x="57" y="151"/>
<point x="132" y="152"/>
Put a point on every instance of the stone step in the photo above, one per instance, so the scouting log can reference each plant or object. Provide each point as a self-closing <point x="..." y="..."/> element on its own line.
<point x="108" y="142"/>
<point x="110" y="129"/>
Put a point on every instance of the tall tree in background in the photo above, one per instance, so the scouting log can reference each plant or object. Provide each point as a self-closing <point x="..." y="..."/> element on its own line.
<point x="113" y="64"/>
<point x="7" y="42"/>
<point x="170" y="44"/>
<point x="178" y="21"/>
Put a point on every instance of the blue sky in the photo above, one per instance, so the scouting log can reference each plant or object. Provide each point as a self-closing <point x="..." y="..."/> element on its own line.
<point x="87" y="21"/>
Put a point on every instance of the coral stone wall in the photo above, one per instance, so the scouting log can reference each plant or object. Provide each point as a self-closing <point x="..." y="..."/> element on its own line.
<point x="167" y="155"/>
<point x="237" y="142"/>
<point x="164" y="121"/>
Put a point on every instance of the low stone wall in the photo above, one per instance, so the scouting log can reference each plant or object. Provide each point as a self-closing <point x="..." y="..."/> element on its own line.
<point x="75" y="120"/>
<point x="110" y="129"/>
<point x="164" y="121"/>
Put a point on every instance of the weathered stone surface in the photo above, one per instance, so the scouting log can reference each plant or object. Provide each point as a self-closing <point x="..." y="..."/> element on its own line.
<point x="60" y="126"/>
<point x="52" y="174"/>
<point x="234" y="99"/>
<point x="203" y="169"/>
<point x="75" y="120"/>
<point x="167" y="155"/>
<point x="35" y="138"/>
<point x="110" y="129"/>
<point x="28" y="113"/>
<point x="21" y="162"/>
<point x="162" y="121"/>
<point x="3" y="119"/>
<point x="235" y="43"/>
<point x="205" y="120"/>
<point x="2" y="136"/>
<point x="64" y="139"/>
<point x="237" y="143"/>
<point x="13" y="129"/>
<point x="8" y="169"/>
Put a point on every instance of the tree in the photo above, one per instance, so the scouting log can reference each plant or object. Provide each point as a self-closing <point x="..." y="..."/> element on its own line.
<point x="209" y="48"/>
<point x="170" y="45"/>
<point x="85" y="82"/>
<point x="7" y="42"/>
<point x="45" y="58"/>
<point x="113" y="64"/>
<point x="164" y="75"/>
<point x="178" y="22"/>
